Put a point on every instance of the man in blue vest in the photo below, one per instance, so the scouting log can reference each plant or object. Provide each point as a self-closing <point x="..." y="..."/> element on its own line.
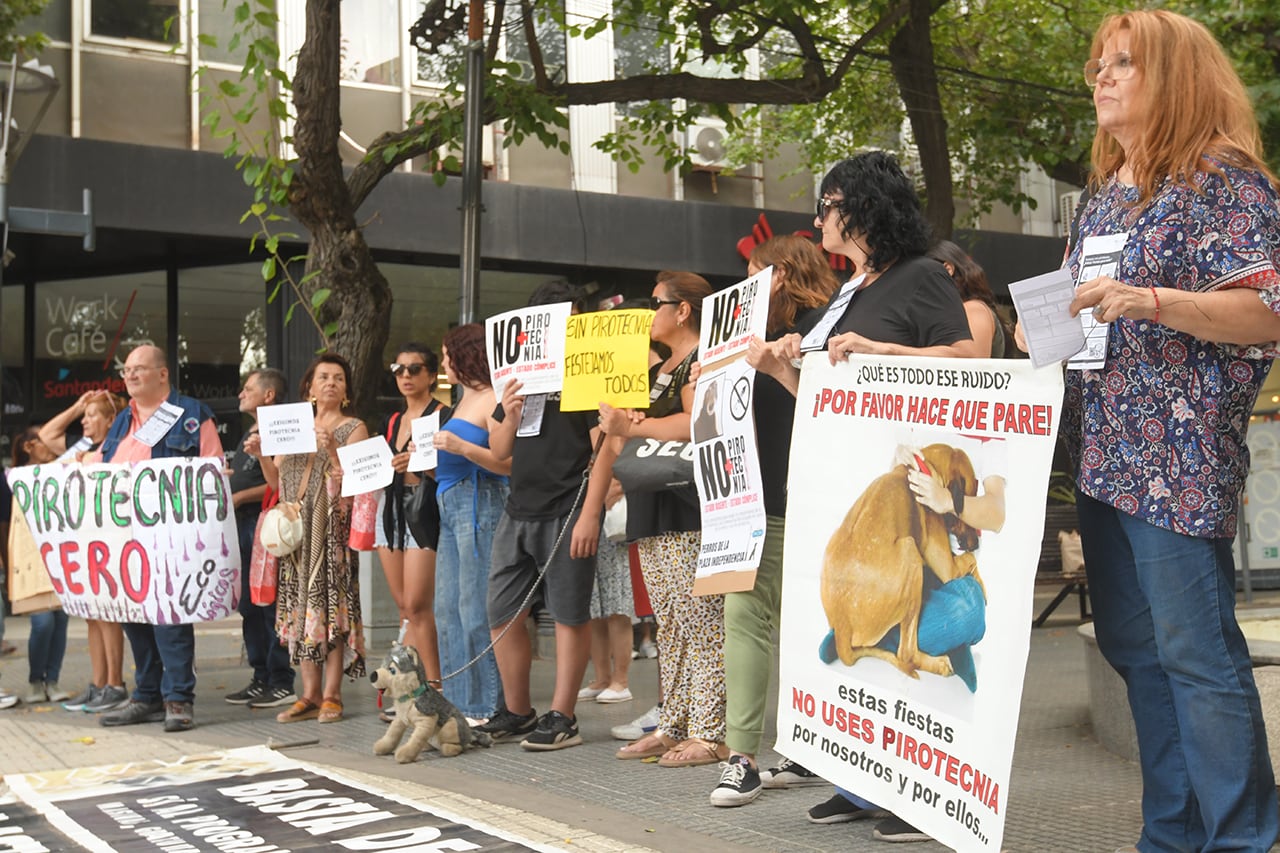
<point x="157" y="423"/>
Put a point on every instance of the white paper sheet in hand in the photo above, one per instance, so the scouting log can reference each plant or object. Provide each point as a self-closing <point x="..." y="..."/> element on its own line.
<point x="1042" y="304"/>
<point x="287" y="428"/>
<point x="366" y="466"/>
<point x="424" y="451"/>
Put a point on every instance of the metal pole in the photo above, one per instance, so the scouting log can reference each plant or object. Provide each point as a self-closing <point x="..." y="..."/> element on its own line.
<point x="472" y="155"/>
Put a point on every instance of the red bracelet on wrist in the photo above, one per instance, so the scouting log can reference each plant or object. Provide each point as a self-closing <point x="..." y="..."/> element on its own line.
<point x="1156" y="297"/>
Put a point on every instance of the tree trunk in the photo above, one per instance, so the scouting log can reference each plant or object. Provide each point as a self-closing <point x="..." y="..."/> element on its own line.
<point x="359" y="295"/>
<point x="360" y="300"/>
<point x="911" y="57"/>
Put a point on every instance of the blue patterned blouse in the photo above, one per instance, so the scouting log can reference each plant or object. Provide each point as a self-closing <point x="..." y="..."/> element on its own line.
<point x="1159" y="432"/>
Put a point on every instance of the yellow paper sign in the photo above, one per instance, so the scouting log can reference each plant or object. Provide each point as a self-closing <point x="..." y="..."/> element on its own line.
<point x="606" y="360"/>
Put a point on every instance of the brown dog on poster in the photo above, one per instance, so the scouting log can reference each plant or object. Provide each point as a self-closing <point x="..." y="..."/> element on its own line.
<point x="873" y="568"/>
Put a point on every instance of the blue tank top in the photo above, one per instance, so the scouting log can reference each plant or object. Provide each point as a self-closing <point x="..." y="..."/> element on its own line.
<point x="451" y="468"/>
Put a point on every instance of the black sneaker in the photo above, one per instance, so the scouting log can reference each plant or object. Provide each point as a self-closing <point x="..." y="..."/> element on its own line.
<point x="895" y="829"/>
<point x="554" y="731"/>
<point x="135" y="712"/>
<point x="179" y="717"/>
<point x="839" y="810"/>
<point x="255" y="690"/>
<point x="504" y="726"/>
<point x="273" y="697"/>
<point x="739" y="783"/>
<point x="788" y="774"/>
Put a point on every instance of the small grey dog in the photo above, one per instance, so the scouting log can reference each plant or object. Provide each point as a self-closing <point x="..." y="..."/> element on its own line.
<point x="420" y="707"/>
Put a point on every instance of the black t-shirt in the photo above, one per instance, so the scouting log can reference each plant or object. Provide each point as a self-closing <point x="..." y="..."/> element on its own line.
<point x="246" y="473"/>
<point x="774" y="410"/>
<point x="914" y="303"/>
<point x="546" y="469"/>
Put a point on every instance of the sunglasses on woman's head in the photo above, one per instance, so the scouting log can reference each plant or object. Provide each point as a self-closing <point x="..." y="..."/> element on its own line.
<point x="414" y="369"/>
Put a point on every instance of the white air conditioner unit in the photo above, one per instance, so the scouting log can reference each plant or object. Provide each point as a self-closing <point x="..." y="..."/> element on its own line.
<point x="1067" y="204"/>
<point x="706" y="140"/>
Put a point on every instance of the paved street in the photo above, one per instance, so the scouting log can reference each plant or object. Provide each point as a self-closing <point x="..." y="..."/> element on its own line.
<point x="1067" y="793"/>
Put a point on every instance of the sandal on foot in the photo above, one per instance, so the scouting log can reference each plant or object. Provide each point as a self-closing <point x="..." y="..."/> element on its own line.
<point x="651" y="745"/>
<point x="303" y="709"/>
<point x="694" y="752"/>
<point x="330" y="711"/>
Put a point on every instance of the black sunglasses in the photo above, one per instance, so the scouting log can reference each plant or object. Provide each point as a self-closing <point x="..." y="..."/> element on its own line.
<point x="414" y="369"/>
<point x="656" y="302"/>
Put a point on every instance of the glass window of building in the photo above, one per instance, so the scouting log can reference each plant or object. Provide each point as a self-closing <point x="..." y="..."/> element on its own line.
<point x="371" y="41"/>
<point x="13" y="341"/>
<point x="84" y="328"/>
<point x="550" y="33"/>
<point x="426" y="304"/>
<point x="218" y="22"/>
<point x="157" y="21"/>
<point x="640" y="49"/>
<point x="54" y="20"/>
<point x="222" y="332"/>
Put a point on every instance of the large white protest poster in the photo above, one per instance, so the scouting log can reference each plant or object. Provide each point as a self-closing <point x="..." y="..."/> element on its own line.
<point x="906" y="617"/>
<point x="151" y="542"/>
<point x="722" y="423"/>
<point x="528" y="344"/>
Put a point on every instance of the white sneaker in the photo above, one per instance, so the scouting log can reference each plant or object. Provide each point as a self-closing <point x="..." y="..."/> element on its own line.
<point x="610" y="696"/>
<point x="647" y="650"/>
<point x="36" y="693"/>
<point x="639" y="727"/>
<point x="7" y="700"/>
<point x="56" y="693"/>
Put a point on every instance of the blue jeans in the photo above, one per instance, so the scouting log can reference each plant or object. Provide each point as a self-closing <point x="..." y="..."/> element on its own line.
<point x="469" y="515"/>
<point x="269" y="659"/>
<point x="1164" y="614"/>
<point x="164" y="658"/>
<point x="46" y="646"/>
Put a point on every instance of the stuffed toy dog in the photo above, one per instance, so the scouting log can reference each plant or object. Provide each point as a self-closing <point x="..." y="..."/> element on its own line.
<point x="420" y="708"/>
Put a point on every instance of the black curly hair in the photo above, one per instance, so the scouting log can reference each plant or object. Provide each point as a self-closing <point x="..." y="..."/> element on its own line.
<point x="879" y="205"/>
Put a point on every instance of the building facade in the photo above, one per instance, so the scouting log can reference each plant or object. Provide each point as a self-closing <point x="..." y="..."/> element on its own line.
<point x="172" y="264"/>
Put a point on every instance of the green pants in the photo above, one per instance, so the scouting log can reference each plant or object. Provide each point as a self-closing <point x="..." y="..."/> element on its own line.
<point x="750" y="623"/>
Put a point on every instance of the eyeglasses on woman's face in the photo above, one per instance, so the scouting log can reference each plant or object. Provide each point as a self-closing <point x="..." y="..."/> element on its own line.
<point x="656" y="302"/>
<point x="825" y="206"/>
<point x="412" y="369"/>
<point x="1120" y="64"/>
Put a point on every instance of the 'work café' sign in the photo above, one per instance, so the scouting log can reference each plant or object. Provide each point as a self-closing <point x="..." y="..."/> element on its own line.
<point x="151" y="542"/>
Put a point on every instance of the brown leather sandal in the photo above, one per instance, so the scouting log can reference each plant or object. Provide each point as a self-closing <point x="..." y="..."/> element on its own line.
<point x="651" y="745"/>
<point x="694" y="752"/>
<point x="303" y="709"/>
<point x="330" y="710"/>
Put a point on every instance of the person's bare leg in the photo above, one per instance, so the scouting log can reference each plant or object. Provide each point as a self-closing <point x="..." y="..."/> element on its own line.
<point x="573" y="648"/>
<point x="113" y="651"/>
<point x="600" y="665"/>
<point x="393" y="570"/>
<point x="514" y="654"/>
<point x="419" y="597"/>
<point x="97" y="653"/>
<point x="618" y="631"/>
<point x="312" y="683"/>
<point x="332" y="685"/>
